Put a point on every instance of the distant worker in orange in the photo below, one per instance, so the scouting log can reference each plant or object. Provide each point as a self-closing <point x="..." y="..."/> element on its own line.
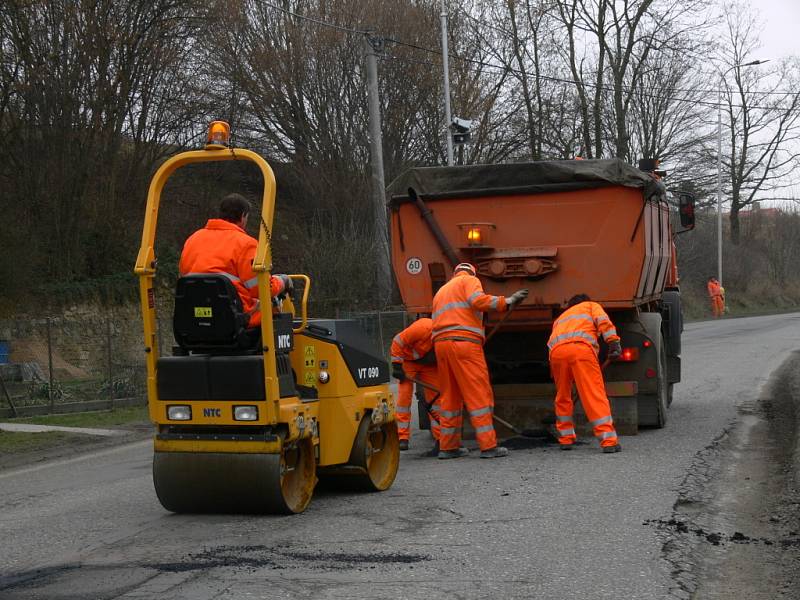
<point x="223" y="246"/>
<point x="716" y="296"/>
<point x="458" y="338"/>
<point x="413" y="358"/>
<point x="573" y="349"/>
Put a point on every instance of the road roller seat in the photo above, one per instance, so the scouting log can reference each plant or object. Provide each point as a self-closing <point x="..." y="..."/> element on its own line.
<point x="217" y="356"/>
<point x="209" y="316"/>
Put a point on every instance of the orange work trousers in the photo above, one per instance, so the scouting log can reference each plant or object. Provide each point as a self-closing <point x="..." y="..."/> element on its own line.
<point x="717" y="306"/>
<point x="576" y="362"/>
<point x="426" y="374"/>
<point x="464" y="381"/>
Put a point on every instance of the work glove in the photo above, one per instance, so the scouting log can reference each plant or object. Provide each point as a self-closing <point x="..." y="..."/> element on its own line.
<point x="517" y="297"/>
<point x="397" y="372"/>
<point x="614" y="350"/>
<point x="288" y="286"/>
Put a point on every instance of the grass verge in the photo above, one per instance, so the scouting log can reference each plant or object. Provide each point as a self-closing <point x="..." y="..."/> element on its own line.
<point x="16" y="443"/>
<point x="119" y="417"/>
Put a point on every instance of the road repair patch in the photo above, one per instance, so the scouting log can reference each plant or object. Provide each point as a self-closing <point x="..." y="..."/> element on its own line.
<point x="735" y="527"/>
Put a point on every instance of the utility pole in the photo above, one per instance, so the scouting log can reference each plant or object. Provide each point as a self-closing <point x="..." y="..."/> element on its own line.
<point x="373" y="45"/>
<point x="445" y="65"/>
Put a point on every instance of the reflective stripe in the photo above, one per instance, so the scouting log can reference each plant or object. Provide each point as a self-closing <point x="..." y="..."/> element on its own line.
<point x="415" y="354"/>
<point x="403" y="424"/>
<point x="564" y="432"/>
<point x="600" y="421"/>
<point x="493" y="304"/>
<point x="397" y="359"/>
<point x="609" y="333"/>
<point x="581" y="316"/>
<point x="570" y="335"/>
<point x="448" y="431"/>
<point x="251" y="283"/>
<point x="403" y="410"/>
<point x="434" y="423"/>
<point x="451" y="414"/>
<point x="223" y="273"/>
<point x="564" y="419"/>
<point x="607" y="434"/>
<point x="399" y="341"/>
<point x="478" y="330"/>
<point x="473" y="296"/>
<point x="481" y="411"/>
<point x="484" y="429"/>
<point x="450" y="306"/>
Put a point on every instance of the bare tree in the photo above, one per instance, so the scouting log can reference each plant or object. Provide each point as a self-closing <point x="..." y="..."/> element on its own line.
<point x="763" y="124"/>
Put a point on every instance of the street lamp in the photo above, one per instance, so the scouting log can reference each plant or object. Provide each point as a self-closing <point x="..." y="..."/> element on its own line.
<point x="719" y="161"/>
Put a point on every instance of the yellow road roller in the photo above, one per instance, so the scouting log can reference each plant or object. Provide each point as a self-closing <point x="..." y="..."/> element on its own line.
<point x="247" y="420"/>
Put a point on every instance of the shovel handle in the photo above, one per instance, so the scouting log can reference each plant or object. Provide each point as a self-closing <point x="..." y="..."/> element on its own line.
<point x="431" y="388"/>
<point x="500" y="322"/>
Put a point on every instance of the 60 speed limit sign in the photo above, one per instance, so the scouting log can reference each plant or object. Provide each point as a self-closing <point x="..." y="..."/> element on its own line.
<point x="414" y="265"/>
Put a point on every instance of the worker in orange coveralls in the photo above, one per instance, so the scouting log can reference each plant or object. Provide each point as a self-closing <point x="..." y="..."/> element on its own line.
<point x="573" y="349"/>
<point x="224" y="247"/>
<point x="716" y="296"/>
<point x="458" y="338"/>
<point x="413" y="358"/>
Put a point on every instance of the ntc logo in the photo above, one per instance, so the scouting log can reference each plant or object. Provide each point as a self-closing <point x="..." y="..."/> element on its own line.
<point x="212" y="412"/>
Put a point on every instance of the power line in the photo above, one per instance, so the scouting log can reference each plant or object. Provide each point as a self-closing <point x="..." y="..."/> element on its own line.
<point x="641" y="91"/>
<point x="315" y="21"/>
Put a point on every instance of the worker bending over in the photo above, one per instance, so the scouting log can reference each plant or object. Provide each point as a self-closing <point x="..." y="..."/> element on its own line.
<point x="717" y="297"/>
<point x="573" y="349"/>
<point x="413" y="358"/>
<point x="458" y="338"/>
<point x="224" y="247"/>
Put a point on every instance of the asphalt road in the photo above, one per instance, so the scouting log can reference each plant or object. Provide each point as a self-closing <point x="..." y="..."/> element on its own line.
<point x="538" y="524"/>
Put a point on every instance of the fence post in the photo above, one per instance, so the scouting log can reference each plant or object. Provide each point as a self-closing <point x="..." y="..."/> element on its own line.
<point x="380" y="332"/>
<point x="110" y="371"/>
<point x="50" y="366"/>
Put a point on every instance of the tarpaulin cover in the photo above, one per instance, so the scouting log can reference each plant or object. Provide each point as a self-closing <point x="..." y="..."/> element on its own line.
<point x="541" y="177"/>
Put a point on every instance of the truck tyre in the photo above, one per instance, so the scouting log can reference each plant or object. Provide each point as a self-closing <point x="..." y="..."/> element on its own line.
<point x="674" y="326"/>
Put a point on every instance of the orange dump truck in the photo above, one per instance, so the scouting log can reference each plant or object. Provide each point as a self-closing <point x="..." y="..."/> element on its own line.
<point x="558" y="228"/>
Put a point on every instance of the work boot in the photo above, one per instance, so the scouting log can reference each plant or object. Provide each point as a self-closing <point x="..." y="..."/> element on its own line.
<point x="433" y="452"/>
<point x="495" y="452"/>
<point x="611" y="449"/>
<point x="457" y="453"/>
<point x="403" y="445"/>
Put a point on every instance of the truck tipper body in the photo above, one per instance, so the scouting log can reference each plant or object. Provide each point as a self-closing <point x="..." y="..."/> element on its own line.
<point x="558" y="228"/>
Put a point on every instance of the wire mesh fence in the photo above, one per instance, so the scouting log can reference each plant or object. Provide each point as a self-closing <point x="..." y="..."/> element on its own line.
<point x="74" y="363"/>
<point x="52" y="364"/>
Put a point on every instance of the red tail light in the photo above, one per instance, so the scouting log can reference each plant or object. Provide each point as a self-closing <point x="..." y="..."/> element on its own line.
<point x="647" y="343"/>
<point x="629" y="355"/>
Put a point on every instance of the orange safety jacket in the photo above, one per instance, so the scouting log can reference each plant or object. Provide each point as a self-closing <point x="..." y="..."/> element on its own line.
<point x="413" y="342"/>
<point x="458" y="308"/>
<point x="225" y="248"/>
<point x="714" y="289"/>
<point x="582" y="323"/>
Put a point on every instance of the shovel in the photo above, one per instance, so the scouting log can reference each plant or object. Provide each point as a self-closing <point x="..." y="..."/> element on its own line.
<point x="523" y="432"/>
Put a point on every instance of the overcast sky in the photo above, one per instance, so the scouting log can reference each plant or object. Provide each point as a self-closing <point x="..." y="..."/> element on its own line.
<point x="781" y="21"/>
